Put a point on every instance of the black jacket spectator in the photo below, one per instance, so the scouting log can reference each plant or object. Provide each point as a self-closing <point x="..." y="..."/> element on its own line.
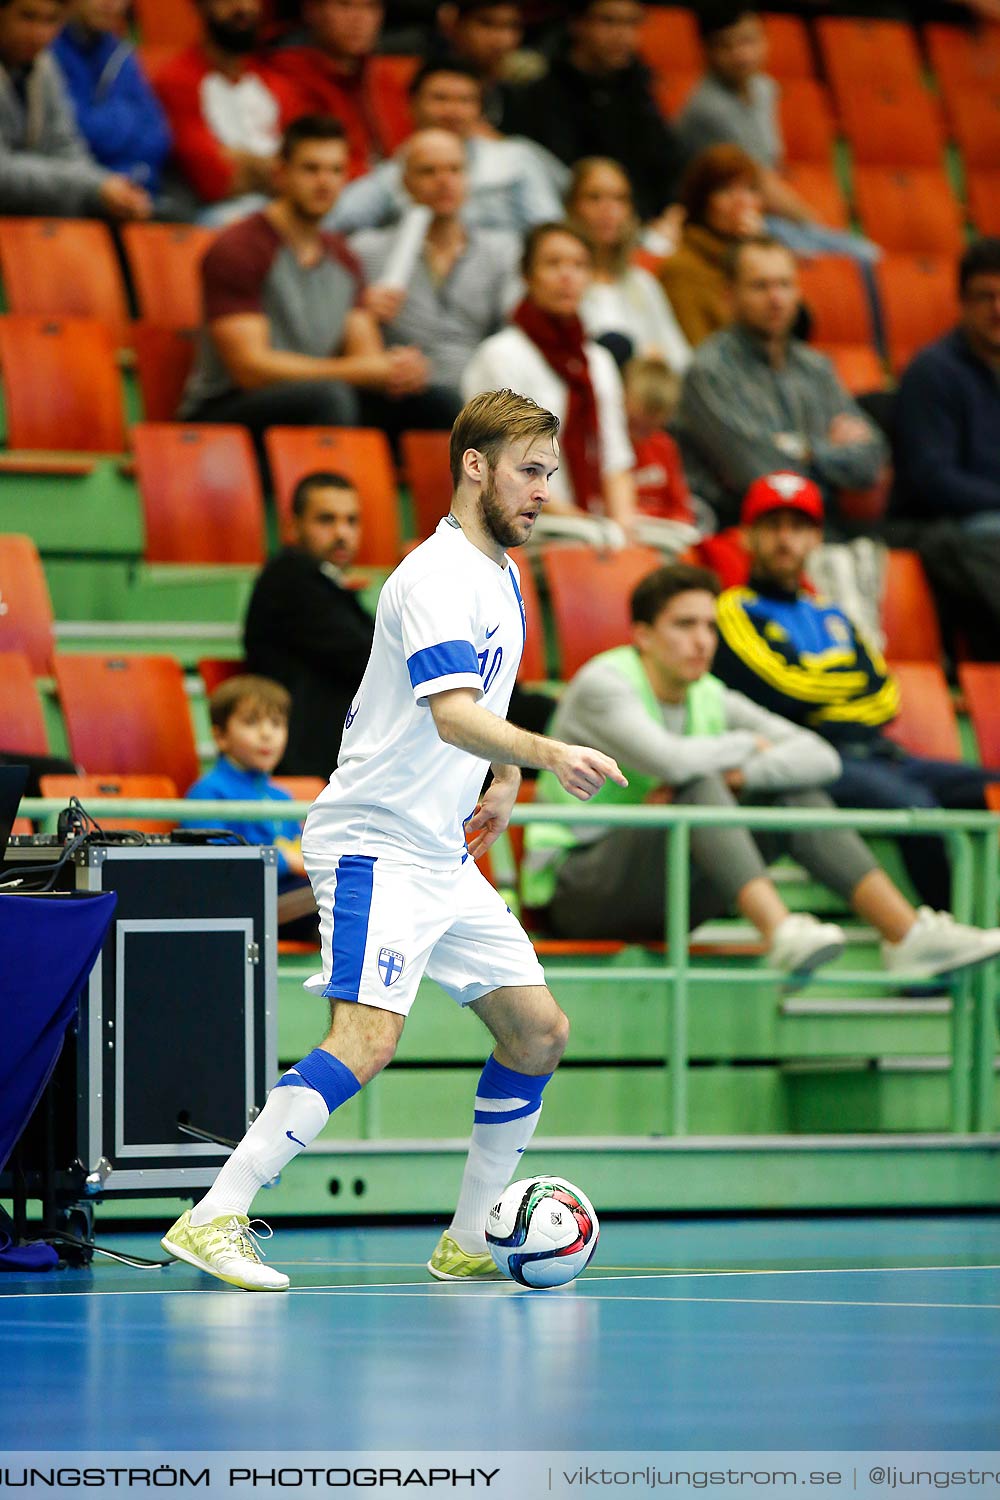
<point x="309" y="632"/>
<point x="575" y="113"/>
<point x="947" y="419"/>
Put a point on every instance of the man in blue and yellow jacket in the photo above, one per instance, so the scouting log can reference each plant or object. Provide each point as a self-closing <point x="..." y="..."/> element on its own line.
<point x="800" y="656"/>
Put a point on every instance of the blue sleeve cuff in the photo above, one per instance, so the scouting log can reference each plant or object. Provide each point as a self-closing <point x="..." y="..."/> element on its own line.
<point x="447" y="659"/>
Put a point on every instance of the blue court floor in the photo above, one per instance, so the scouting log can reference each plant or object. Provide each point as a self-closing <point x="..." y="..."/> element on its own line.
<point x="696" y="1334"/>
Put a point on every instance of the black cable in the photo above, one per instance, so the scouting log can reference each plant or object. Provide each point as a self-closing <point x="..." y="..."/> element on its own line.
<point x="137" y="1262"/>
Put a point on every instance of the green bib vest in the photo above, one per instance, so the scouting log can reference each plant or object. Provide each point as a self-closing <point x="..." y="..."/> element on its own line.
<point x="546" y="844"/>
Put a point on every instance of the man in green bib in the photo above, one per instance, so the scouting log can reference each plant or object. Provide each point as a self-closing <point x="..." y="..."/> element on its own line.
<point x="656" y="708"/>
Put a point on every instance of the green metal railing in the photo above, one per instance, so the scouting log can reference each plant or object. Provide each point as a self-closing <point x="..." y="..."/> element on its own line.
<point x="973" y="839"/>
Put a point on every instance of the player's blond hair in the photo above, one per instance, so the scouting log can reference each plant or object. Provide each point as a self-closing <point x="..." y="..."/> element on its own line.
<point x="492" y="420"/>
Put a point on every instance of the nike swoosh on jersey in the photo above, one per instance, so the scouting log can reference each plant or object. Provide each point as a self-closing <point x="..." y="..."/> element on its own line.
<point x="493" y="631"/>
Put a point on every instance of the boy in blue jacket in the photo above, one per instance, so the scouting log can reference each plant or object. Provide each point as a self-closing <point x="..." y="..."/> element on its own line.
<point x="117" y="112"/>
<point x="250" y="727"/>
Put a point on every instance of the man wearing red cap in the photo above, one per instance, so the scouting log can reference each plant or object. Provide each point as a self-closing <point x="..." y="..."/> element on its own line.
<point x="800" y="656"/>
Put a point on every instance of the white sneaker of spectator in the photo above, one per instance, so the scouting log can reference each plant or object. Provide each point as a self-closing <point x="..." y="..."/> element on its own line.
<point x="801" y="943"/>
<point x="936" y="944"/>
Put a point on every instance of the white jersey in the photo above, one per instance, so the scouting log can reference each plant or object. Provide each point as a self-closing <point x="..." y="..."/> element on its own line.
<point x="448" y="617"/>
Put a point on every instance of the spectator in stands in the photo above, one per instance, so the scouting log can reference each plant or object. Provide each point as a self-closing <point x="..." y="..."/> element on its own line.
<point x="226" y="109"/>
<point x="485" y="35"/>
<point x="335" y="73"/>
<point x="305" y="626"/>
<point x="45" y="166"/>
<point x="756" y="399"/>
<point x="946" y="423"/>
<point x="249" y="717"/>
<point x="947" y="412"/>
<point x="286" y="339"/>
<point x="449" y="285"/>
<point x="509" y="186"/>
<point x="721" y="197"/>
<point x="802" y="657"/>
<point x="737" y="103"/>
<point x="545" y="354"/>
<point x="116" y="110"/>
<point x="597" y="100"/>
<point x="652" y="391"/>
<point x="670" y="724"/>
<point x="622" y="298"/>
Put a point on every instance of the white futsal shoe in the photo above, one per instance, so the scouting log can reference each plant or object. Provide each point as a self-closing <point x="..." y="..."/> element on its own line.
<point x="225" y="1248"/>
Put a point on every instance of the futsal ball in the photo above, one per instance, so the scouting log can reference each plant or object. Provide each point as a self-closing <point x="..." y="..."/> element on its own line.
<point x="542" y="1232"/>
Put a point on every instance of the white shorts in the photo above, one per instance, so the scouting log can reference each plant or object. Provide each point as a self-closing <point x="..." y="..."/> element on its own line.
<point x="384" y="924"/>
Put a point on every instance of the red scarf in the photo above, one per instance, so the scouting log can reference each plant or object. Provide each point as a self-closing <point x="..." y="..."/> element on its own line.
<point x="561" y="342"/>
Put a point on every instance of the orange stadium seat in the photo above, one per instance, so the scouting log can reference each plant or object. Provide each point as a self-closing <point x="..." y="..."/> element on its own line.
<point x="533" y="667"/>
<point x="818" y="185"/>
<point x="200" y="493"/>
<point x="672" y="91"/>
<point x="25" y="606"/>
<point x="128" y="714"/>
<point x="856" y="51"/>
<point x="302" y="788"/>
<point x="910" y="209"/>
<point x="115" y="786"/>
<point x="61" y="385"/>
<point x="214" y="670"/>
<point x="858" y="366"/>
<point x="807" y="124"/>
<point x="964" y="59"/>
<point x="975" y="126"/>
<point x="891" y="126"/>
<point x="833" y="290"/>
<point x="172" y="24"/>
<point x="428" y="477"/>
<point x="64" y="268"/>
<point x="589" y="595"/>
<point x="980" y="683"/>
<point x="362" y="455"/>
<point x="669" y="40"/>
<point x="22" y="722"/>
<point x="926" y="723"/>
<point x="164" y="261"/>
<point x="789" y="50"/>
<point x="163" y="360"/>
<point x="919" y="302"/>
<point x="983" y="193"/>
<point x="909" y="614"/>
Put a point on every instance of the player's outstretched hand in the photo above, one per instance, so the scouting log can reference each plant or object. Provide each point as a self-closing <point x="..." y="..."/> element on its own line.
<point x="491" y="815"/>
<point x="582" y="771"/>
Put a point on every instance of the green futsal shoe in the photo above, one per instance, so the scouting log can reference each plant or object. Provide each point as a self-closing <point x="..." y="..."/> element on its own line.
<point x="450" y="1263"/>
<point x="225" y="1248"/>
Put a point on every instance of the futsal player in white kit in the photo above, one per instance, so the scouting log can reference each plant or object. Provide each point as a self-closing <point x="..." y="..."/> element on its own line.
<point x="391" y="844"/>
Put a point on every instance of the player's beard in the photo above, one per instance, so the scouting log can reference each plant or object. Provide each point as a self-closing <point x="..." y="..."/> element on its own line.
<point x="499" y="526"/>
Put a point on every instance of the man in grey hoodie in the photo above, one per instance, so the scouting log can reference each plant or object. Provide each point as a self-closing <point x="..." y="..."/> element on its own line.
<point x="45" y="167"/>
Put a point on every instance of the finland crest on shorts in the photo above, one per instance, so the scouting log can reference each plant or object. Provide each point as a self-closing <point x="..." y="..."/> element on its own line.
<point x="390" y="966"/>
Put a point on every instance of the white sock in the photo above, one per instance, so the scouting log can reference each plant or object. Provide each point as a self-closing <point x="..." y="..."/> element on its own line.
<point x="494" y="1152"/>
<point x="504" y="1124"/>
<point x="295" y="1112"/>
